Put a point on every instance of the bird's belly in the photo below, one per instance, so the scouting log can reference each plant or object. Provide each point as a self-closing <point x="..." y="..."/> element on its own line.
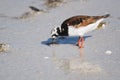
<point x="77" y="31"/>
<point x="72" y="31"/>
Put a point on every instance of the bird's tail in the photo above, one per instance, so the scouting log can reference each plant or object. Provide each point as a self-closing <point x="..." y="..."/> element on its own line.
<point x="105" y="16"/>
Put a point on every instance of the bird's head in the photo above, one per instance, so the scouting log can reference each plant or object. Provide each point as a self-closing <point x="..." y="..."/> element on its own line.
<point x="55" y="32"/>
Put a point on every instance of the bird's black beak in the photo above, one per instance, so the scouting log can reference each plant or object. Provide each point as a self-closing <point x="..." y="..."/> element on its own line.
<point x="53" y="41"/>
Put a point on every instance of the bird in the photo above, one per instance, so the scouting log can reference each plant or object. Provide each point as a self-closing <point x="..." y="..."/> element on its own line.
<point x="78" y="26"/>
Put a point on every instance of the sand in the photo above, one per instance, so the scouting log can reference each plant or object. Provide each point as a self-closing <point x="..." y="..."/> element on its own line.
<point x="29" y="58"/>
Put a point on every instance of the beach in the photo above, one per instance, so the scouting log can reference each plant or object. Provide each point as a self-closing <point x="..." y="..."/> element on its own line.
<point x="27" y="32"/>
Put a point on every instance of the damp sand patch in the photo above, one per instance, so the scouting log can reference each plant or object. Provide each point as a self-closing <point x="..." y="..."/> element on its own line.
<point x="84" y="67"/>
<point x="77" y="65"/>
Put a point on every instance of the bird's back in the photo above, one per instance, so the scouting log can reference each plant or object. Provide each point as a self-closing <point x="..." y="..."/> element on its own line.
<point x="82" y="20"/>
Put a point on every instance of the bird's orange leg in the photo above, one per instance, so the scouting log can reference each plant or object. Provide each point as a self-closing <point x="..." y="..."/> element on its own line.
<point x="80" y="42"/>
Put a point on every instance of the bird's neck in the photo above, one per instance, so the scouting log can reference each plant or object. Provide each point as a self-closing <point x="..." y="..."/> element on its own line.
<point x="63" y="32"/>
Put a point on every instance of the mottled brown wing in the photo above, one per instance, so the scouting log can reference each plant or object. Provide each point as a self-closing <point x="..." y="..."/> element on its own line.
<point x="82" y="21"/>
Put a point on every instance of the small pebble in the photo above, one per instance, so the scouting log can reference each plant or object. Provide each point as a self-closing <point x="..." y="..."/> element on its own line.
<point x="108" y="52"/>
<point x="46" y="57"/>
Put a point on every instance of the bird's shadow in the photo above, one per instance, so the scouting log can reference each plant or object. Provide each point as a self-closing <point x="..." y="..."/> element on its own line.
<point x="64" y="40"/>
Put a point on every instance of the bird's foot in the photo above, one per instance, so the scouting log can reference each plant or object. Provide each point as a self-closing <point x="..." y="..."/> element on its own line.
<point x="81" y="42"/>
<point x="80" y="46"/>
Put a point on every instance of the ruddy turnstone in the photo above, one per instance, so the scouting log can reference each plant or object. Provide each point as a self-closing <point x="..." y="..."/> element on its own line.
<point x="78" y="26"/>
